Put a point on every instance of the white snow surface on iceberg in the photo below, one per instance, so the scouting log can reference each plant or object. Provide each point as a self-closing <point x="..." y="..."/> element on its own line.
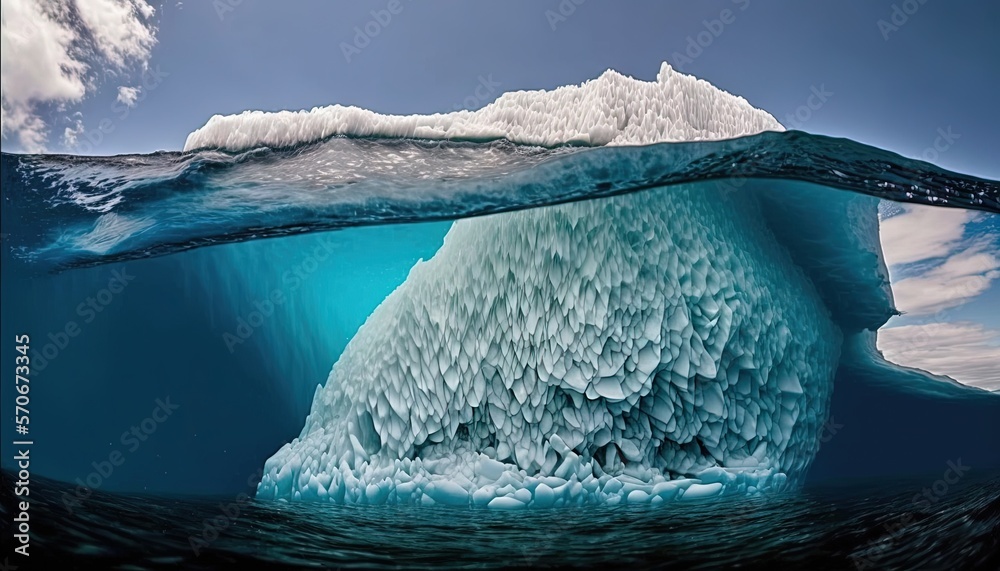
<point x="610" y="110"/>
<point x="645" y="348"/>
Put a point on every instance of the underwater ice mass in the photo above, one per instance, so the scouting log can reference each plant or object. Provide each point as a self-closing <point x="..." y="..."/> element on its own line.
<point x="671" y="344"/>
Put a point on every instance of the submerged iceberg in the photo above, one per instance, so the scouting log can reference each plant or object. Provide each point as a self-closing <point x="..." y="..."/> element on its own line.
<point x="674" y="343"/>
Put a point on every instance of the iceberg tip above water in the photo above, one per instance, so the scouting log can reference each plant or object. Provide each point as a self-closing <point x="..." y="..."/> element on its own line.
<point x="610" y="110"/>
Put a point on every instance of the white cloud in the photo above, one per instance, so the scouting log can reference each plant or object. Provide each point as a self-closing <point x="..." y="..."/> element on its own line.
<point x="965" y="351"/>
<point x="943" y="265"/>
<point x="50" y="49"/>
<point x="922" y="233"/>
<point x="128" y="95"/>
<point x="119" y="28"/>
<point x="37" y="66"/>
<point x="959" y="279"/>
<point x="956" y="267"/>
<point x="71" y="135"/>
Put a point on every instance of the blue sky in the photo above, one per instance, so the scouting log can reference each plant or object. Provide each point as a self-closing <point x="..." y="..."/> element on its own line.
<point x="902" y="75"/>
<point x="936" y="71"/>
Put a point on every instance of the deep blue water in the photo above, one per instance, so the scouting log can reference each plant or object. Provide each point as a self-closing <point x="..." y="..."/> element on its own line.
<point x="157" y="262"/>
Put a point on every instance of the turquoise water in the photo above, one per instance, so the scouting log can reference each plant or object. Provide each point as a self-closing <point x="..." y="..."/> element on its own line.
<point x="230" y="283"/>
<point x="94" y="210"/>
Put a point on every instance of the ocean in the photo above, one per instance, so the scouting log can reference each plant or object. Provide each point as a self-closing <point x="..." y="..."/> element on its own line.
<point x="184" y="310"/>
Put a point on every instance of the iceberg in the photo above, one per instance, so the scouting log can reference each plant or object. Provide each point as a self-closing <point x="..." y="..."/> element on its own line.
<point x="677" y="343"/>
<point x="610" y="110"/>
<point x="600" y="349"/>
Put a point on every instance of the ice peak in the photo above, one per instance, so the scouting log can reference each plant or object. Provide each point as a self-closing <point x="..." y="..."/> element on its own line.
<point x="612" y="109"/>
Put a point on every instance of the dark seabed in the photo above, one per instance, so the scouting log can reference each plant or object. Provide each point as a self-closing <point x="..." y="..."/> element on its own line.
<point x="863" y="525"/>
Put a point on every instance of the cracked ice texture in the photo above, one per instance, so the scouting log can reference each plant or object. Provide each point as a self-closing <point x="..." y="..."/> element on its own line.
<point x="650" y="347"/>
<point x="638" y="339"/>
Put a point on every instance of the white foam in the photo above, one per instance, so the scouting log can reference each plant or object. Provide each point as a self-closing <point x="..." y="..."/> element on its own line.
<point x="610" y="110"/>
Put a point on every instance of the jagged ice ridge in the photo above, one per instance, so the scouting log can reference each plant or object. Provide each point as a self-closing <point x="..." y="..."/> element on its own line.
<point x="610" y="110"/>
<point x="655" y="346"/>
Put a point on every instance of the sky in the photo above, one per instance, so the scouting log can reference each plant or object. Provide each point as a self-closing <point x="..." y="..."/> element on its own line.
<point x="917" y="77"/>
